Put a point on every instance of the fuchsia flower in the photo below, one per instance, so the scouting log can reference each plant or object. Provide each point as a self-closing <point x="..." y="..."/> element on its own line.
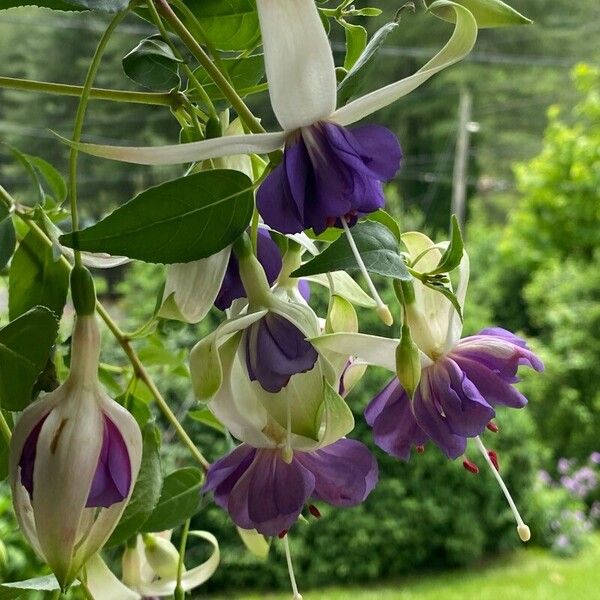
<point x="330" y="174"/>
<point x="75" y="456"/>
<point x="461" y="383"/>
<point x="263" y="491"/>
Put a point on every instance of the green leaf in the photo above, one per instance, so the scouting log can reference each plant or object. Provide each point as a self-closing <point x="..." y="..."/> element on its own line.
<point x="378" y="248"/>
<point x="52" y="176"/>
<point x="383" y="217"/>
<point x="179" y="500"/>
<point x="227" y="24"/>
<point x="454" y="252"/>
<point x="14" y="589"/>
<point x="204" y="416"/>
<point x="146" y="492"/>
<point x="153" y="65"/>
<point x="8" y="238"/>
<point x="110" y="6"/>
<point x="178" y="221"/>
<point x="354" y="81"/>
<point x="35" y="279"/>
<point x="356" y="42"/>
<point x="25" y="346"/>
<point x="487" y="13"/>
<point x="243" y="73"/>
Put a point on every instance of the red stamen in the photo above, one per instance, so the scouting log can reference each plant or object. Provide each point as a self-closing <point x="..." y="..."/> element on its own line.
<point x="492" y="427"/>
<point x="282" y="534"/>
<point x="470" y="466"/>
<point x="494" y="458"/>
<point x="314" y="511"/>
<point x="420" y="449"/>
<point x="330" y="222"/>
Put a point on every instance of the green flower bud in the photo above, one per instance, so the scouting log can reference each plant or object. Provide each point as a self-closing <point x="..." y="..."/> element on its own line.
<point x="162" y="556"/>
<point x="408" y="362"/>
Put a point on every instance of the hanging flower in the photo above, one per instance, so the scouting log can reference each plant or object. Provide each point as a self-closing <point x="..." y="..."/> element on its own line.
<point x="75" y="456"/>
<point x="263" y="489"/>
<point x="462" y="380"/>
<point x="329" y="174"/>
<point x="149" y="570"/>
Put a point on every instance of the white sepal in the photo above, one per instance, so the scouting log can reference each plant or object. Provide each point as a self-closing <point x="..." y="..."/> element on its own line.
<point x="371" y="349"/>
<point x="103" y="584"/>
<point x="458" y="46"/>
<point x="298" y="61"/>
<point x="191" y="288"/>
<point x="260" y="143"/>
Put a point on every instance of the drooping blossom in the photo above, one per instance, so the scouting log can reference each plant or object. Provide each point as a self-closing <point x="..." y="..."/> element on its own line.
<point x="260" y="490"/>
<point x="75" y="456"/>
<point x="329" y="173"/>
<point x="462" y="380"/>
<point x="149" y="569"/>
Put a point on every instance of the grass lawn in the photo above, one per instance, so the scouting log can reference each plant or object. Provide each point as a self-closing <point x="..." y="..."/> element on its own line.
<point x="530" y="574"/>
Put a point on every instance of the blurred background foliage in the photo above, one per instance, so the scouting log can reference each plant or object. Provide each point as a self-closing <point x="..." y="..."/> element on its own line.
<point x="533" y="232"/>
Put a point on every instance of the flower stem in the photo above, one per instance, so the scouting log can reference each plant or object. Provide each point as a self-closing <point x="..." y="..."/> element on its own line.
<point x="63" y="89"/>
<point x="79" y="118"/>
<point x="125" y="343"/>
<point x="288" y="558"/>
<point x="383" y="312"/>
<point x="220" y="80"/>
<point x="190" y="74"/>
<point x="179" y="591"/>
<point x="5" y="429"/>
<point x="522" y="529"/>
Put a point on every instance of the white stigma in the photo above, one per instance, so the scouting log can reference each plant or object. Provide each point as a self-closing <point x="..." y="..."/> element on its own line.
<point x="288" y="558"/>
<point x="383" y="312"/>
<point x="522" y="529"/>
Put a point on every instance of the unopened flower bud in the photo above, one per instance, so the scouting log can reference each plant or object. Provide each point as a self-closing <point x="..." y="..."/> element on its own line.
<point x="341" y="316"/>
<point x="75" y="456"/>
<point x="162" y="556"/>
<point x="408" y="362"/>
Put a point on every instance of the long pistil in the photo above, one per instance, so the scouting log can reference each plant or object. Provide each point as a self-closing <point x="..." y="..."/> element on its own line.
<point x="522" y="529"/>
<point x="288" y="558"/>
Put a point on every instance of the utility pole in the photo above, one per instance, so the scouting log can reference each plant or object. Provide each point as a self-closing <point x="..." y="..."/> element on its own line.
<point x="461" y="157"/>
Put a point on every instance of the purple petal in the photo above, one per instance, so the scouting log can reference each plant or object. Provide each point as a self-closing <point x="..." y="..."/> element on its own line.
<point x="232" y="287"/>
<point x="395" y="429"/>
<point x="491" y="386"/>
<point x="345" y="472"/>
<point x="431" y="420"/>
<point x="501" y="352"/>
<point x="112" y="479"/>
<point x="463" y="407"/>
<point x="329" y="172"/>
<point x="263" y="493"/>
<point x="275" y="200"/>
<point x="380" y="150"/>
<point x="275" y="350"/>
<point x="27" y="460"/>
<point x="304" y="289"/>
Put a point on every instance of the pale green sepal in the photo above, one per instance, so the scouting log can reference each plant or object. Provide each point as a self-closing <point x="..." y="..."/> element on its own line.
<point x="487" y="13"/>
<point x="103" y="584"/>
<point x="341" y="316"/>
<point x="255" y="542"/>
<point x="336" y="417"/>
<point x="191" y="579"/>
<point x="345" y="286"/>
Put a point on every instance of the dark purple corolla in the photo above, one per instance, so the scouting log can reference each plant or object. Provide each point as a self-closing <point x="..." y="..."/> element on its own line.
<point x="261" y="491"/>
<point x="112" y="478"/>
<point x="329" y="172"/>
<point x="456" y="396"/>
<point x="275" y="349"/>
<point x="232" y="287"/>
